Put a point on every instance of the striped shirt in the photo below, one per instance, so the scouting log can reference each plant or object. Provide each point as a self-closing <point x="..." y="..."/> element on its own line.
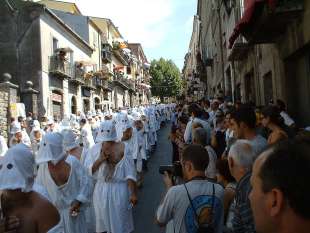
<point x="243" y="221"/>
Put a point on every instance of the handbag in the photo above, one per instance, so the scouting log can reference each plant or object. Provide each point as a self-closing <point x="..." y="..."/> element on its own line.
<point x="204" y="229"/>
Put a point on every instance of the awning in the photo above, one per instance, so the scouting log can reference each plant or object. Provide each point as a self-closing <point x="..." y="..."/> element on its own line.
<point x="252" y="7"/>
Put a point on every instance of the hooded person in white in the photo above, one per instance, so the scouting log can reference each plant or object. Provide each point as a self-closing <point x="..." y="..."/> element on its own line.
<point x="52" y="126"/>
<point x="115" y="189"/>
<point x="36" y="136"/>
<point x="72" y="148"/>
<point x="152" y="135"/>
<point x="71" y="145"/>
<point x="121" y="120"/>
<point x="66" y="181"/>
<point x="131" y="141"/>
<point x="18" y="197"/>
<point x="140" y="154"/>
<point x="19" y="136"/>
<point x="87" y="138"/>
<point x="3" y="146"/>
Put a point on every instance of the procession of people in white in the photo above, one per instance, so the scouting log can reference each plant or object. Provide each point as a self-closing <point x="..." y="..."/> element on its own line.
<point x="88" y="166"/>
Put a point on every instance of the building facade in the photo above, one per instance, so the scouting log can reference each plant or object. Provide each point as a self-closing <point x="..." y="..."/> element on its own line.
<point x="74" y="63"/>
<point x="257" y="51"/>
<point x="194" y="82"/>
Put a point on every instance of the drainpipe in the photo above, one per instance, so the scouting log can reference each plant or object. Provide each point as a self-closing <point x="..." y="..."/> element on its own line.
<point x="221" y="46"/>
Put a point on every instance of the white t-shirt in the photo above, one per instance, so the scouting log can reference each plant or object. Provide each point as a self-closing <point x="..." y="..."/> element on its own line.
<point x="211" y="169"/>
<point x="176" y="206"/>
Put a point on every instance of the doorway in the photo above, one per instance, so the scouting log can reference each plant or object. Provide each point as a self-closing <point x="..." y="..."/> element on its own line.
<point x="73" y="105"/>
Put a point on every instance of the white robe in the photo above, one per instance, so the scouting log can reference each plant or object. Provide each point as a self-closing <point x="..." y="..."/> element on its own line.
<point x="111" y="198"/>
<point x="78" y="187"/>
<point x="3" y="146"/>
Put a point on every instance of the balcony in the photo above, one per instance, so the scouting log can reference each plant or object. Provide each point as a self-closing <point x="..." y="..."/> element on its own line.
<point x="106" y="72"/>
<point x="106" y="53"/>
<point x="272" y="22"/>
<point x="60" y="66"/>
<point x="121" y="56"/>
<point x="119" y="79"/>
<point x="90" y="83"/>
<point x="239" y="50"/>
<point x="78" y="77"/>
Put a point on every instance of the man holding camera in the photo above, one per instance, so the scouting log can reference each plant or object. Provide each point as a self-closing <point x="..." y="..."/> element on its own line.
<point x="197" y="205"/>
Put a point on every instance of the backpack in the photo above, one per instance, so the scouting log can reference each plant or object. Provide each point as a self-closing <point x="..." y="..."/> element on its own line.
<point x="204" y="229"/>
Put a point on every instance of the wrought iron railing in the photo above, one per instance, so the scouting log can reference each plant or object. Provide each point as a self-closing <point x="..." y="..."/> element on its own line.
<point x="61" y="66"/>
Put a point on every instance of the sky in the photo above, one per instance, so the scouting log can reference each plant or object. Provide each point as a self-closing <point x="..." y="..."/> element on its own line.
<point x="163" y="27"/>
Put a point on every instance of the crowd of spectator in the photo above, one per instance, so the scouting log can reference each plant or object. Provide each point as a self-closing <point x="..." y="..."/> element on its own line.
<point x="245" y="170"/>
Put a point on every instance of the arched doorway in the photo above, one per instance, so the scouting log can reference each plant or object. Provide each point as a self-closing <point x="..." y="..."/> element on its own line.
<point x="97" y="103"/>
<point x="86" y="105"/>
<point x="73" y="105"/>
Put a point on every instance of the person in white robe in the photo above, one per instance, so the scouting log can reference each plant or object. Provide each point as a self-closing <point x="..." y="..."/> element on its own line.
<point x="140" y="156"/>
<point x="115" y="189"/>
<point x="17" y="173"/>
<point x="130" y="140"/>
<point x="68" y="184"/>
<point x="121" y="120"/>
<point x="86" y="138"/>
<point x="3" y="146"/>
<point x="152" y="135"/>
<point x="36" y="136"/>
<point x="72" y="147"/>
<point x="18" y="136"/>
<point x="52" y="126"/>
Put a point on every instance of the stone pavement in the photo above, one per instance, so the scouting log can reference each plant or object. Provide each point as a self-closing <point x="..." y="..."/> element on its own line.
<point x="153" y="189"/>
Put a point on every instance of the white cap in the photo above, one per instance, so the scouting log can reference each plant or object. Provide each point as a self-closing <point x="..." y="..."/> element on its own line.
<point x="50" y="121"/>
<point x="35" y="123"/>
<point x="17" y="169"/>
<point x="107" y="132"/>
<point x="51" y="148"/>
<point x="36" y="128"/>
<point x="16" y="129"/>
<point x="69" y="139"/>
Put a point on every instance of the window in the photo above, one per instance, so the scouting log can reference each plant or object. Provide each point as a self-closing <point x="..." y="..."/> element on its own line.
<point x="70" y="57"/>
<point x="268" y="92"/>
<point x="55" y="44"/>
<point x="95" y="40"/>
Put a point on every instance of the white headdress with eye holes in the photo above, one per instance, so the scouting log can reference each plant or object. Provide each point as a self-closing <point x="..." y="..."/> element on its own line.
<point x="107" y="132"/>
<point x="17" y="169"/>
<point x="51" y="149"/>
<point x="69" y="139"/>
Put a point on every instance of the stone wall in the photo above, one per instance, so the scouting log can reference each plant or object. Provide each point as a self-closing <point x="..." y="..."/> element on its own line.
<point x="4" y="99"/>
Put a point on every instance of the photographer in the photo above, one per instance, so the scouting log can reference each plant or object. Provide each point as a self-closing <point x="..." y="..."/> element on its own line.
<point x="197" y="205"/>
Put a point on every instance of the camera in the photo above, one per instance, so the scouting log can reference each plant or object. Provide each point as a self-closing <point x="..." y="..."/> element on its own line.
<point x="174" y="169"/>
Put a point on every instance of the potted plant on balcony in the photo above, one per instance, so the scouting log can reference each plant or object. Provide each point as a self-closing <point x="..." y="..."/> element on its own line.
<point x="116" y="45"/>
<point x="88" y="75"/>
<point x="98" y="73"/>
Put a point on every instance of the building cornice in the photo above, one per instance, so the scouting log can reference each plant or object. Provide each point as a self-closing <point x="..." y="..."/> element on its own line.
<point x="51" y="13"/>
